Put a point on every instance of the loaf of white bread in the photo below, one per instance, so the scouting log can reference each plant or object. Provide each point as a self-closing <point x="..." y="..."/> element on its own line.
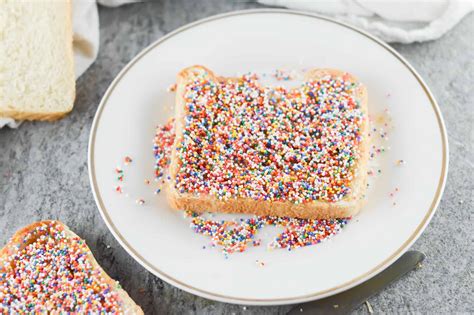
<point x="47" y="269"/>
<point x="245" y="148"/>
<point x="37" y="79"/>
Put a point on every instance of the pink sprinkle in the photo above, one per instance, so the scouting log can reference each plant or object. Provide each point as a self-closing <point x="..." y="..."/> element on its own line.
<point x="127" y="160"/>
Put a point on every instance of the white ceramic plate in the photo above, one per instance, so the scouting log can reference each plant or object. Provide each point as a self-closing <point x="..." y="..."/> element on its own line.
<point x="262" y="40"/>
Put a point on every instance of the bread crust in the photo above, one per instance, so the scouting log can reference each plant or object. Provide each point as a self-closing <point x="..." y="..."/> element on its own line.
<point x="20" y="115"/>
<point x="349" y="206"/>
<point x="20" y="240"/>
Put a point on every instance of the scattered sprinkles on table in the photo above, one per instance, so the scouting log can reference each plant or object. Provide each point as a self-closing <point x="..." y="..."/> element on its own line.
<point x="52" y="272"/>
<point x="244" y="140"/>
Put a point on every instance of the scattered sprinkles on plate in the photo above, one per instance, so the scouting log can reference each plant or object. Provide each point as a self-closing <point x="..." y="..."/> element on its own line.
<point x="172" y="88"/>
<point x="120" y="174"/>
<point x="267" y="133"/>
<point x="401" y="162"/>
<point x="52" y="272"/>
<point x="244" y="140"/>
<point x="127" y="160"/>
<point x="304" y="232"/>
<point x="231" y="236"/>
<point x="260" y="263"/>
<point x="234" y="236"/>
<point x="284" y="75"/>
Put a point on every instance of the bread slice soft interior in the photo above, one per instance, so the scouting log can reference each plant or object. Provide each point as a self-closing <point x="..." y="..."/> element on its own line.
<point x="37" y="80"/>
<point x="346" y="207"/>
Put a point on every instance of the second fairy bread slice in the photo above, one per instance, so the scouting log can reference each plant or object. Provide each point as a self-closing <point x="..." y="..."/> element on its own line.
<point x="244" y="148"/>
<point x="47" y="269"/>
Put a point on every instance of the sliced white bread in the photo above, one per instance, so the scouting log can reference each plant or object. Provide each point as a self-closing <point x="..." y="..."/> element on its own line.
<point x="36" y="59"/>
<point x="348" y="206"/>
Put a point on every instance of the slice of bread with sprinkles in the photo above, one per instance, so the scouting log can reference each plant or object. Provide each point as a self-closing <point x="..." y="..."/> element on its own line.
<point x="46" y="268"/>
<point x="245" y="148"/>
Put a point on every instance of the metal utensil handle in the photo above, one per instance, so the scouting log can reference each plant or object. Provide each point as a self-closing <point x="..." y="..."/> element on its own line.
<point x="345" y="302"/>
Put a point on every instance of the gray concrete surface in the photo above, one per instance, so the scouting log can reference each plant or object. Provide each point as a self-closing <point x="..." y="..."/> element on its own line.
<point x="43" y="169"/>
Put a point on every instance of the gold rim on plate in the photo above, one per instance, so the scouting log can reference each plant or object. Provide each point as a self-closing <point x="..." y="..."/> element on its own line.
<point x="277" y="301"/>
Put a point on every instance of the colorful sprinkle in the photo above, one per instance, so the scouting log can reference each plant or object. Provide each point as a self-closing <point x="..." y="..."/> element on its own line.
<point x="52" y="272"/>
<point x="284" y="75"/>
<point x="260" y="263"/>
<point x="234" y="236"/>
<point x="162" y="144"/>
<point x="127" y="160"/>
<point x="120" y="173"/>
<point x="244" y="140"/>
<point x="140" y="201"/>
<point x="172" y="88"/>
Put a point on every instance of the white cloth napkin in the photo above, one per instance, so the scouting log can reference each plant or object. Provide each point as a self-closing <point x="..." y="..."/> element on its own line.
<point x="401" y="21"/>
<point x="85" y="18"/>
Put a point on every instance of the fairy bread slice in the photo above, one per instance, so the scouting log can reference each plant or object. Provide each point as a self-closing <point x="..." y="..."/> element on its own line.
<point x="244" y="148"/>
<point x="46" y="268"/>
